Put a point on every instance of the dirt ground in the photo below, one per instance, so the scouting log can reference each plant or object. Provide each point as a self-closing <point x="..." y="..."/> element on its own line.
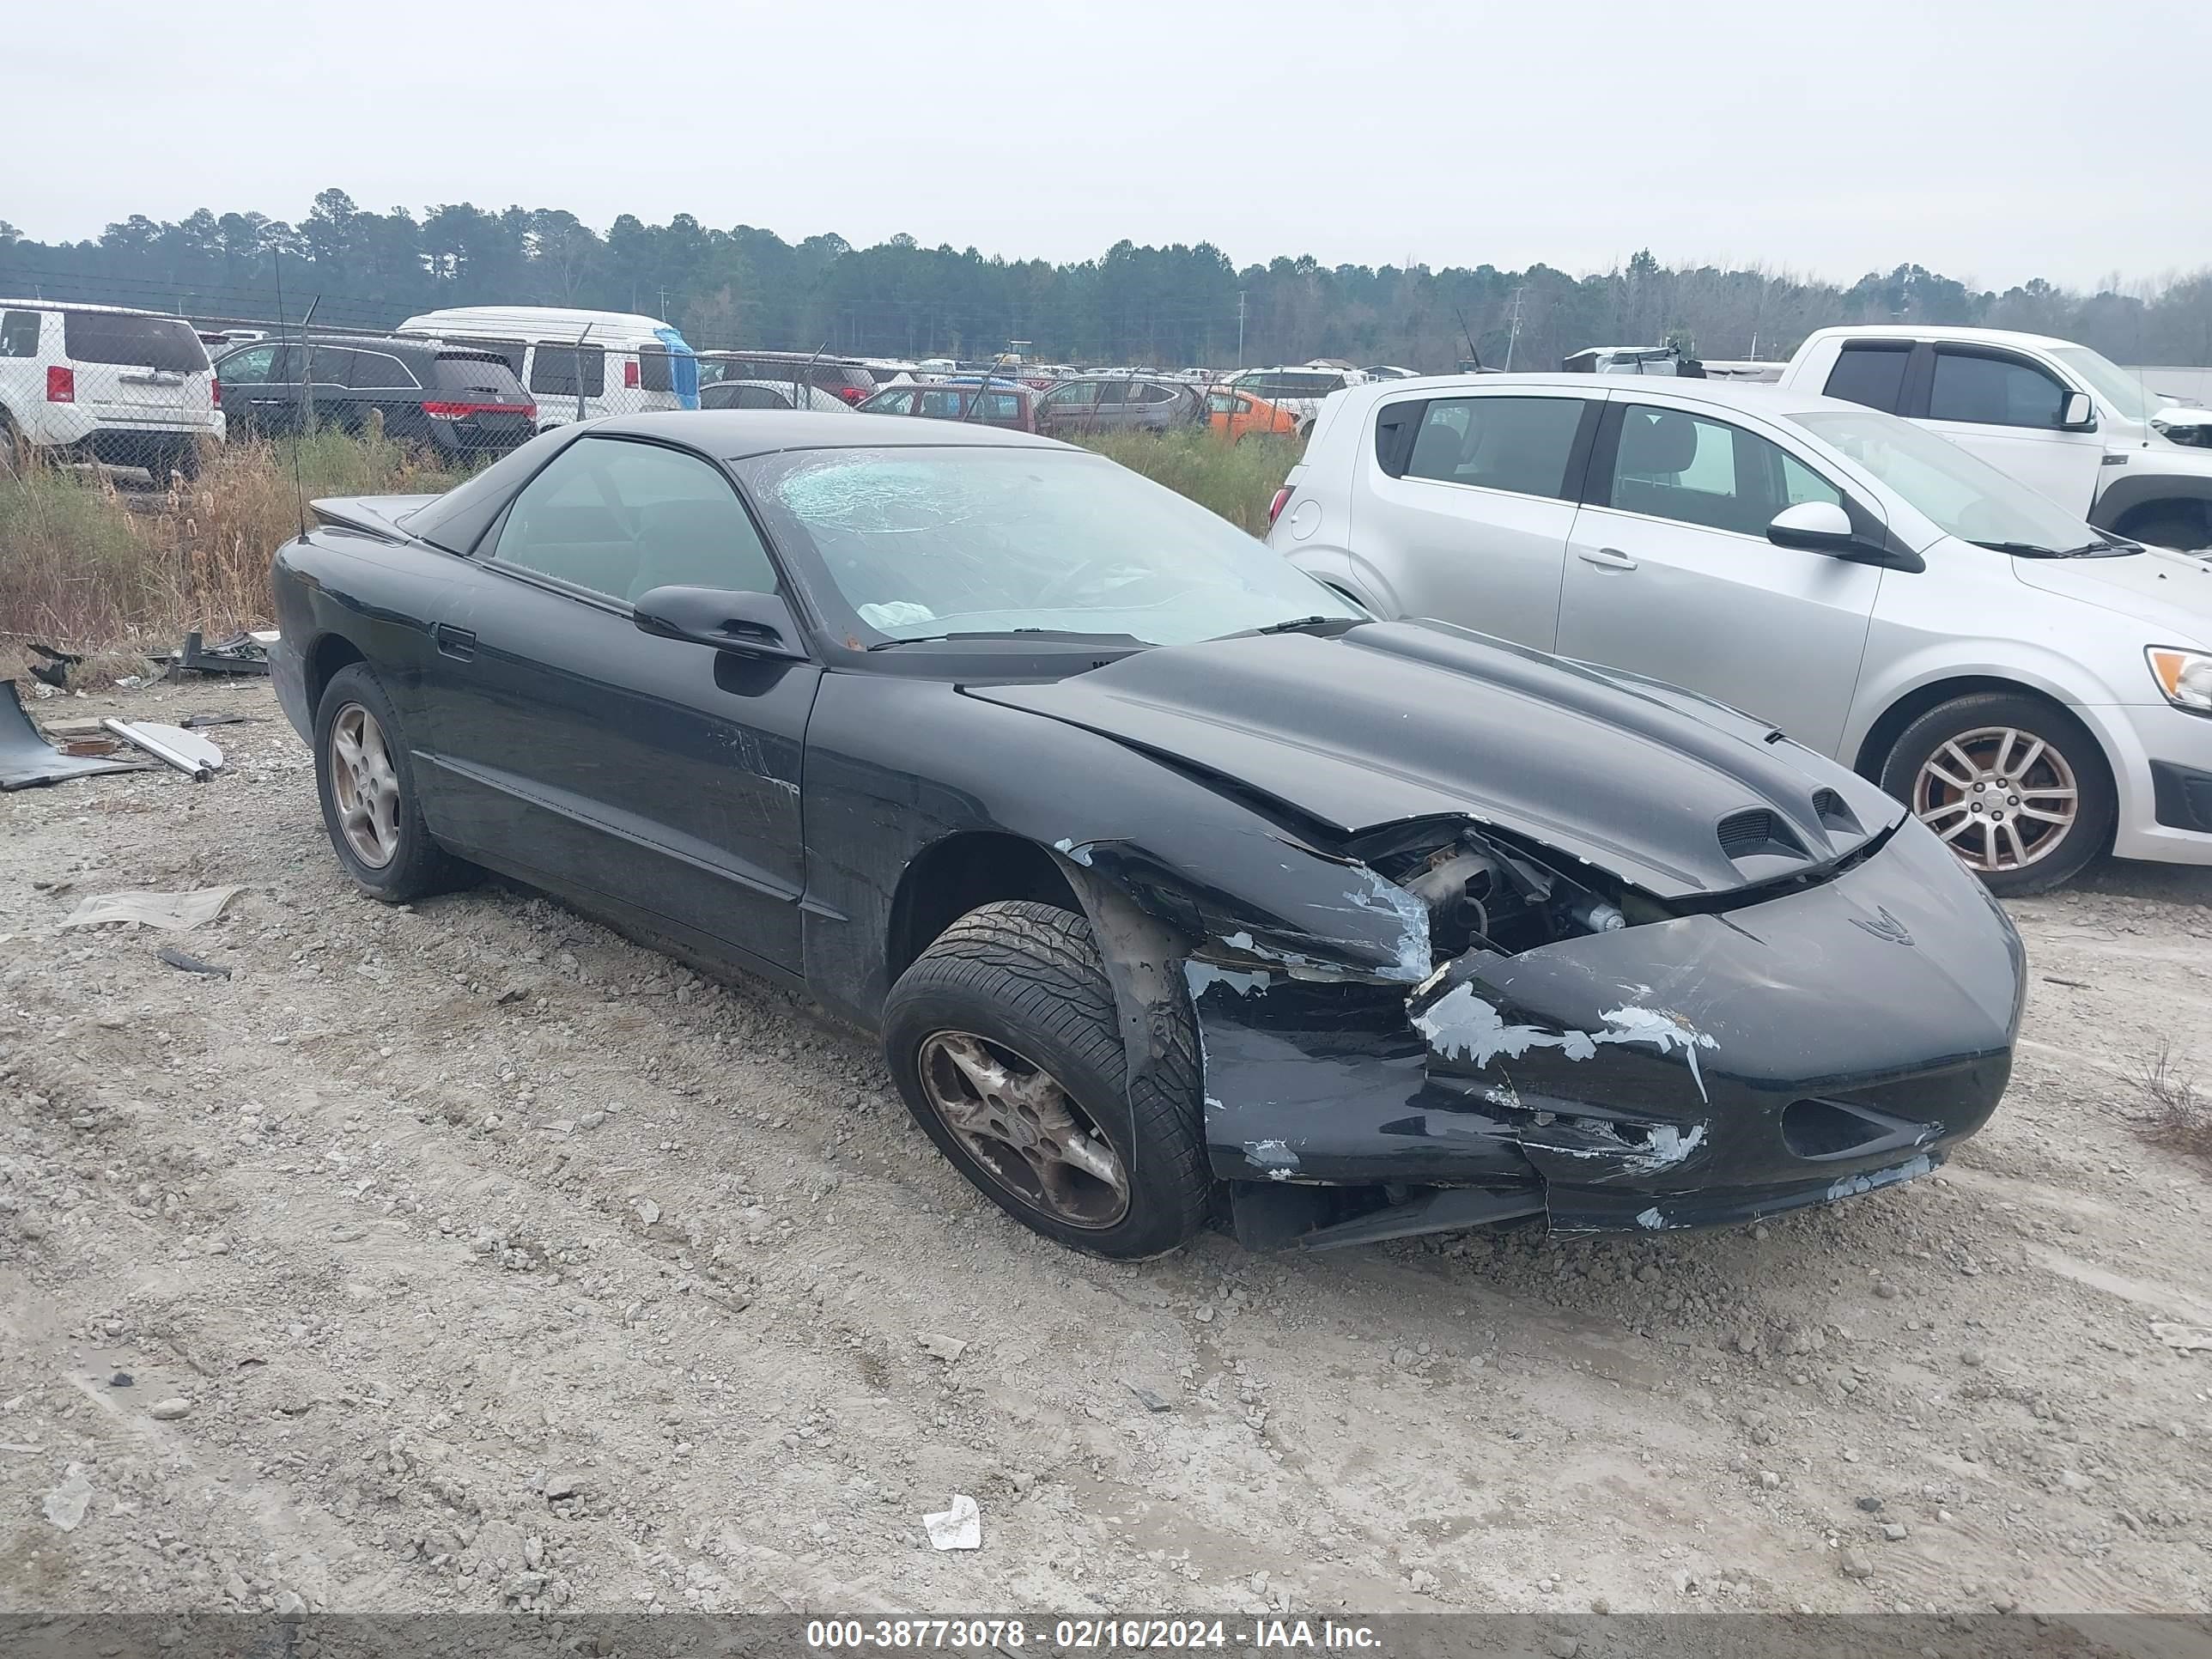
<point x="467" y="1256"/>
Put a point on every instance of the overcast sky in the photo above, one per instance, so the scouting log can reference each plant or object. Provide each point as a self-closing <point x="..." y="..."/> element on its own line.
<point x="1991" y="140"/>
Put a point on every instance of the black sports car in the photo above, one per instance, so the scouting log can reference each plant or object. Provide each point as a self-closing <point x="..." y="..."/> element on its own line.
<point x="1164" y="874"/>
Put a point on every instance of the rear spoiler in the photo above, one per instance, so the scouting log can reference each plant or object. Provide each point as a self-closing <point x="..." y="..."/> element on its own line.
<point x="381" y="516"/>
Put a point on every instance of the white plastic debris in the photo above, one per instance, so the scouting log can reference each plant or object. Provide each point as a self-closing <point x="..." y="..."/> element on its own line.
<point x="189" y="752"/>
<point x="177" y="912"/>
<point x="66" y="1503"/>
<point x="960" y="1527"/>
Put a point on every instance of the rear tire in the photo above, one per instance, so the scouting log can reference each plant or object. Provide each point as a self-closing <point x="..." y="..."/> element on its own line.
<point x="396" y="861"/>
<point x="1992" y="773"/>
<point x="1020" y="987"/>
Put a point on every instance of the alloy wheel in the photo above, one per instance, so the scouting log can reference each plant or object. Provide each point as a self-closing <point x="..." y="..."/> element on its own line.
<point x="1024" y="1128"/>
<point x="365" y="785"/>
<point x="2000" y="798"/>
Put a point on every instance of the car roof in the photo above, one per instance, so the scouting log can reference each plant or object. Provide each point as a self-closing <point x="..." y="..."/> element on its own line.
<point x="1945" y="332"/>
<point x="1757" y="398"/>
<point x="71" y="304"/>
<point x="734" y="434"/>
<point x="521" y="320"/>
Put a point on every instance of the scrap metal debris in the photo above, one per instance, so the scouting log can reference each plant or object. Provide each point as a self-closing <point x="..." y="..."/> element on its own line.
<point x="194" y="756"/>
<point x="64" y="1506"/>
<point x="960" y="1527"/>
<point x="28" y="759"/>
<point x="179" y="913"/>
<point x="183" y="962"/>
<point x="240" y="653"/>
<point x="54" y="670"/>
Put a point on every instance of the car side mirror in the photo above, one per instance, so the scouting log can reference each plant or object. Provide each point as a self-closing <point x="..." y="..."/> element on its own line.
<point x="1825" y="527"/>
<point x="2078" y="414"/>
<point x="1814" y="526"/>
<point x="756" y="624"/>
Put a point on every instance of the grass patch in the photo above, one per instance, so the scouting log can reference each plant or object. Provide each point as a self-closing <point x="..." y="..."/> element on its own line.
<point x="90" y="567"/>
<point x="1237" y="481"/>
<point x="2180" y="1117"/>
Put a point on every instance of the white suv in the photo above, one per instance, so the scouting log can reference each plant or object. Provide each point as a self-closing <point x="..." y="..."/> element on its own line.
<point x="2036" y="690"/>
<point x="130" y="388"/>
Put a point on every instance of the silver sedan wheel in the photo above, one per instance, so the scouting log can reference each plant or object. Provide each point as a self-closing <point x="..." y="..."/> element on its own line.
<point x="1024" y="1128"/>
<point x="2002" y="799"/>
<point x="365" y="787"/>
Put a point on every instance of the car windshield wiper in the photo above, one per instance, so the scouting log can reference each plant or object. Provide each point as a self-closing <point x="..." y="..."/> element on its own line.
<point x="1301" y="625"/>
<point x="1014" y="633"/>
<point x="2104" y="545"/>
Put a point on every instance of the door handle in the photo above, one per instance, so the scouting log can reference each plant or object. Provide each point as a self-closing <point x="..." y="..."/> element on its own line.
<point x="1606" y="558"/>
<point x="459" y="643"/>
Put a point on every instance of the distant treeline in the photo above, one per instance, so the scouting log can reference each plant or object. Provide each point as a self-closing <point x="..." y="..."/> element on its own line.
<point x="1175" y="305"/>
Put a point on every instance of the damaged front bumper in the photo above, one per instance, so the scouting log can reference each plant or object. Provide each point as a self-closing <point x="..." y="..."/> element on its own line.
<point x="1711" y="1068"/>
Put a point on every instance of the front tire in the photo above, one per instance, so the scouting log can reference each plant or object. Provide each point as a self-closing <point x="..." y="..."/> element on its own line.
<point x="1003" y="1041"/>
<point x="2014" y="785"/>
<point x="366" y="783"/>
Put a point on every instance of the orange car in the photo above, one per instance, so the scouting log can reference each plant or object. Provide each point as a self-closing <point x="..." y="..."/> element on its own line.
<point x="1237" y="416"/>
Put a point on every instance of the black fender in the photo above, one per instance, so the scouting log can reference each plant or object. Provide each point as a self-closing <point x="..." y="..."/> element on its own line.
<point x="2135" y="490"/>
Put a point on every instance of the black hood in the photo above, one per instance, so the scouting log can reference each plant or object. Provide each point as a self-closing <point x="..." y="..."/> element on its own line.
<point x="1390" y="722"/>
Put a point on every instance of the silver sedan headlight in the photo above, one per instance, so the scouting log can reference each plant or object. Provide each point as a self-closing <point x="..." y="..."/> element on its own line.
<point x="2184" y="676"/>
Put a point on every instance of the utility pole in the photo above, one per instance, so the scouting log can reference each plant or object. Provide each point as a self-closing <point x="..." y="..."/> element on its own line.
<point x="1513" y="327"/>
<point x="1240" y="328"/>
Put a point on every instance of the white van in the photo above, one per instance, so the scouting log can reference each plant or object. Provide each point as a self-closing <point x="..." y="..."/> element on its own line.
<point x="103" y="383"/>
<point x="578" y="364"/>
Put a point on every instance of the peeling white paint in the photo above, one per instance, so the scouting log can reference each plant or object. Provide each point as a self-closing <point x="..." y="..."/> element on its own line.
<point x="1670" y="1145"/>
<point x="1080" y="854"/>
<point x="1275" y="1157"/>
<point x="1652" y="1221"/>
<point x="1852" y="1185"/>
<point x="1202" y="976"/>
<point x="1460" y="1023"/>
<point x="1387" y="898"/>
<point x="1667" y="1032"/>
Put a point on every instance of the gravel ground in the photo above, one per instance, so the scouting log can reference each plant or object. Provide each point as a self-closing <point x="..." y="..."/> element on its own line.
<point x="467" y="1256"/>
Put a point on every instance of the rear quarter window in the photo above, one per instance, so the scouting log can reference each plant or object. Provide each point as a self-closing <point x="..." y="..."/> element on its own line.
<point x="167" y="344"/>
<point x="1873" y="375"/>
<point x="554" y="370"/>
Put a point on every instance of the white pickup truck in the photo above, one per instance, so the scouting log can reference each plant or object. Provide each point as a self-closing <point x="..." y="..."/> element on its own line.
<point x="2057" y="417"/>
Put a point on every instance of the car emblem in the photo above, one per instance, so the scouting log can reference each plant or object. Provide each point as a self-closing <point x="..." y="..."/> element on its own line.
<point x="1886" y="926"/>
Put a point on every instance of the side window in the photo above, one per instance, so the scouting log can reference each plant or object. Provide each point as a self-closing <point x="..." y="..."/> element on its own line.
<point x="655" y="371"/>
<point x="619" y="518"/>
<point x="284" y="371"/>
<point x="942" y="402"/>
<point x="1002" y="406"/>
<point x="554" y="370"/>
<point x="1520" y="444"/>
<point x="1672" y="464"/>
<point x="1873" y="375"/>
<point x="1220" y="403"/>
<point x="1150" y="393"/>
<point x="247" y="368"/>
<point x="330" y="366"/>
<point x="1993" y="390"/>
<point x="19" y="334"/>
<point x="1113" y="391"/>
<point x="380" y="369"/>
<point x="1073" y="395"/>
